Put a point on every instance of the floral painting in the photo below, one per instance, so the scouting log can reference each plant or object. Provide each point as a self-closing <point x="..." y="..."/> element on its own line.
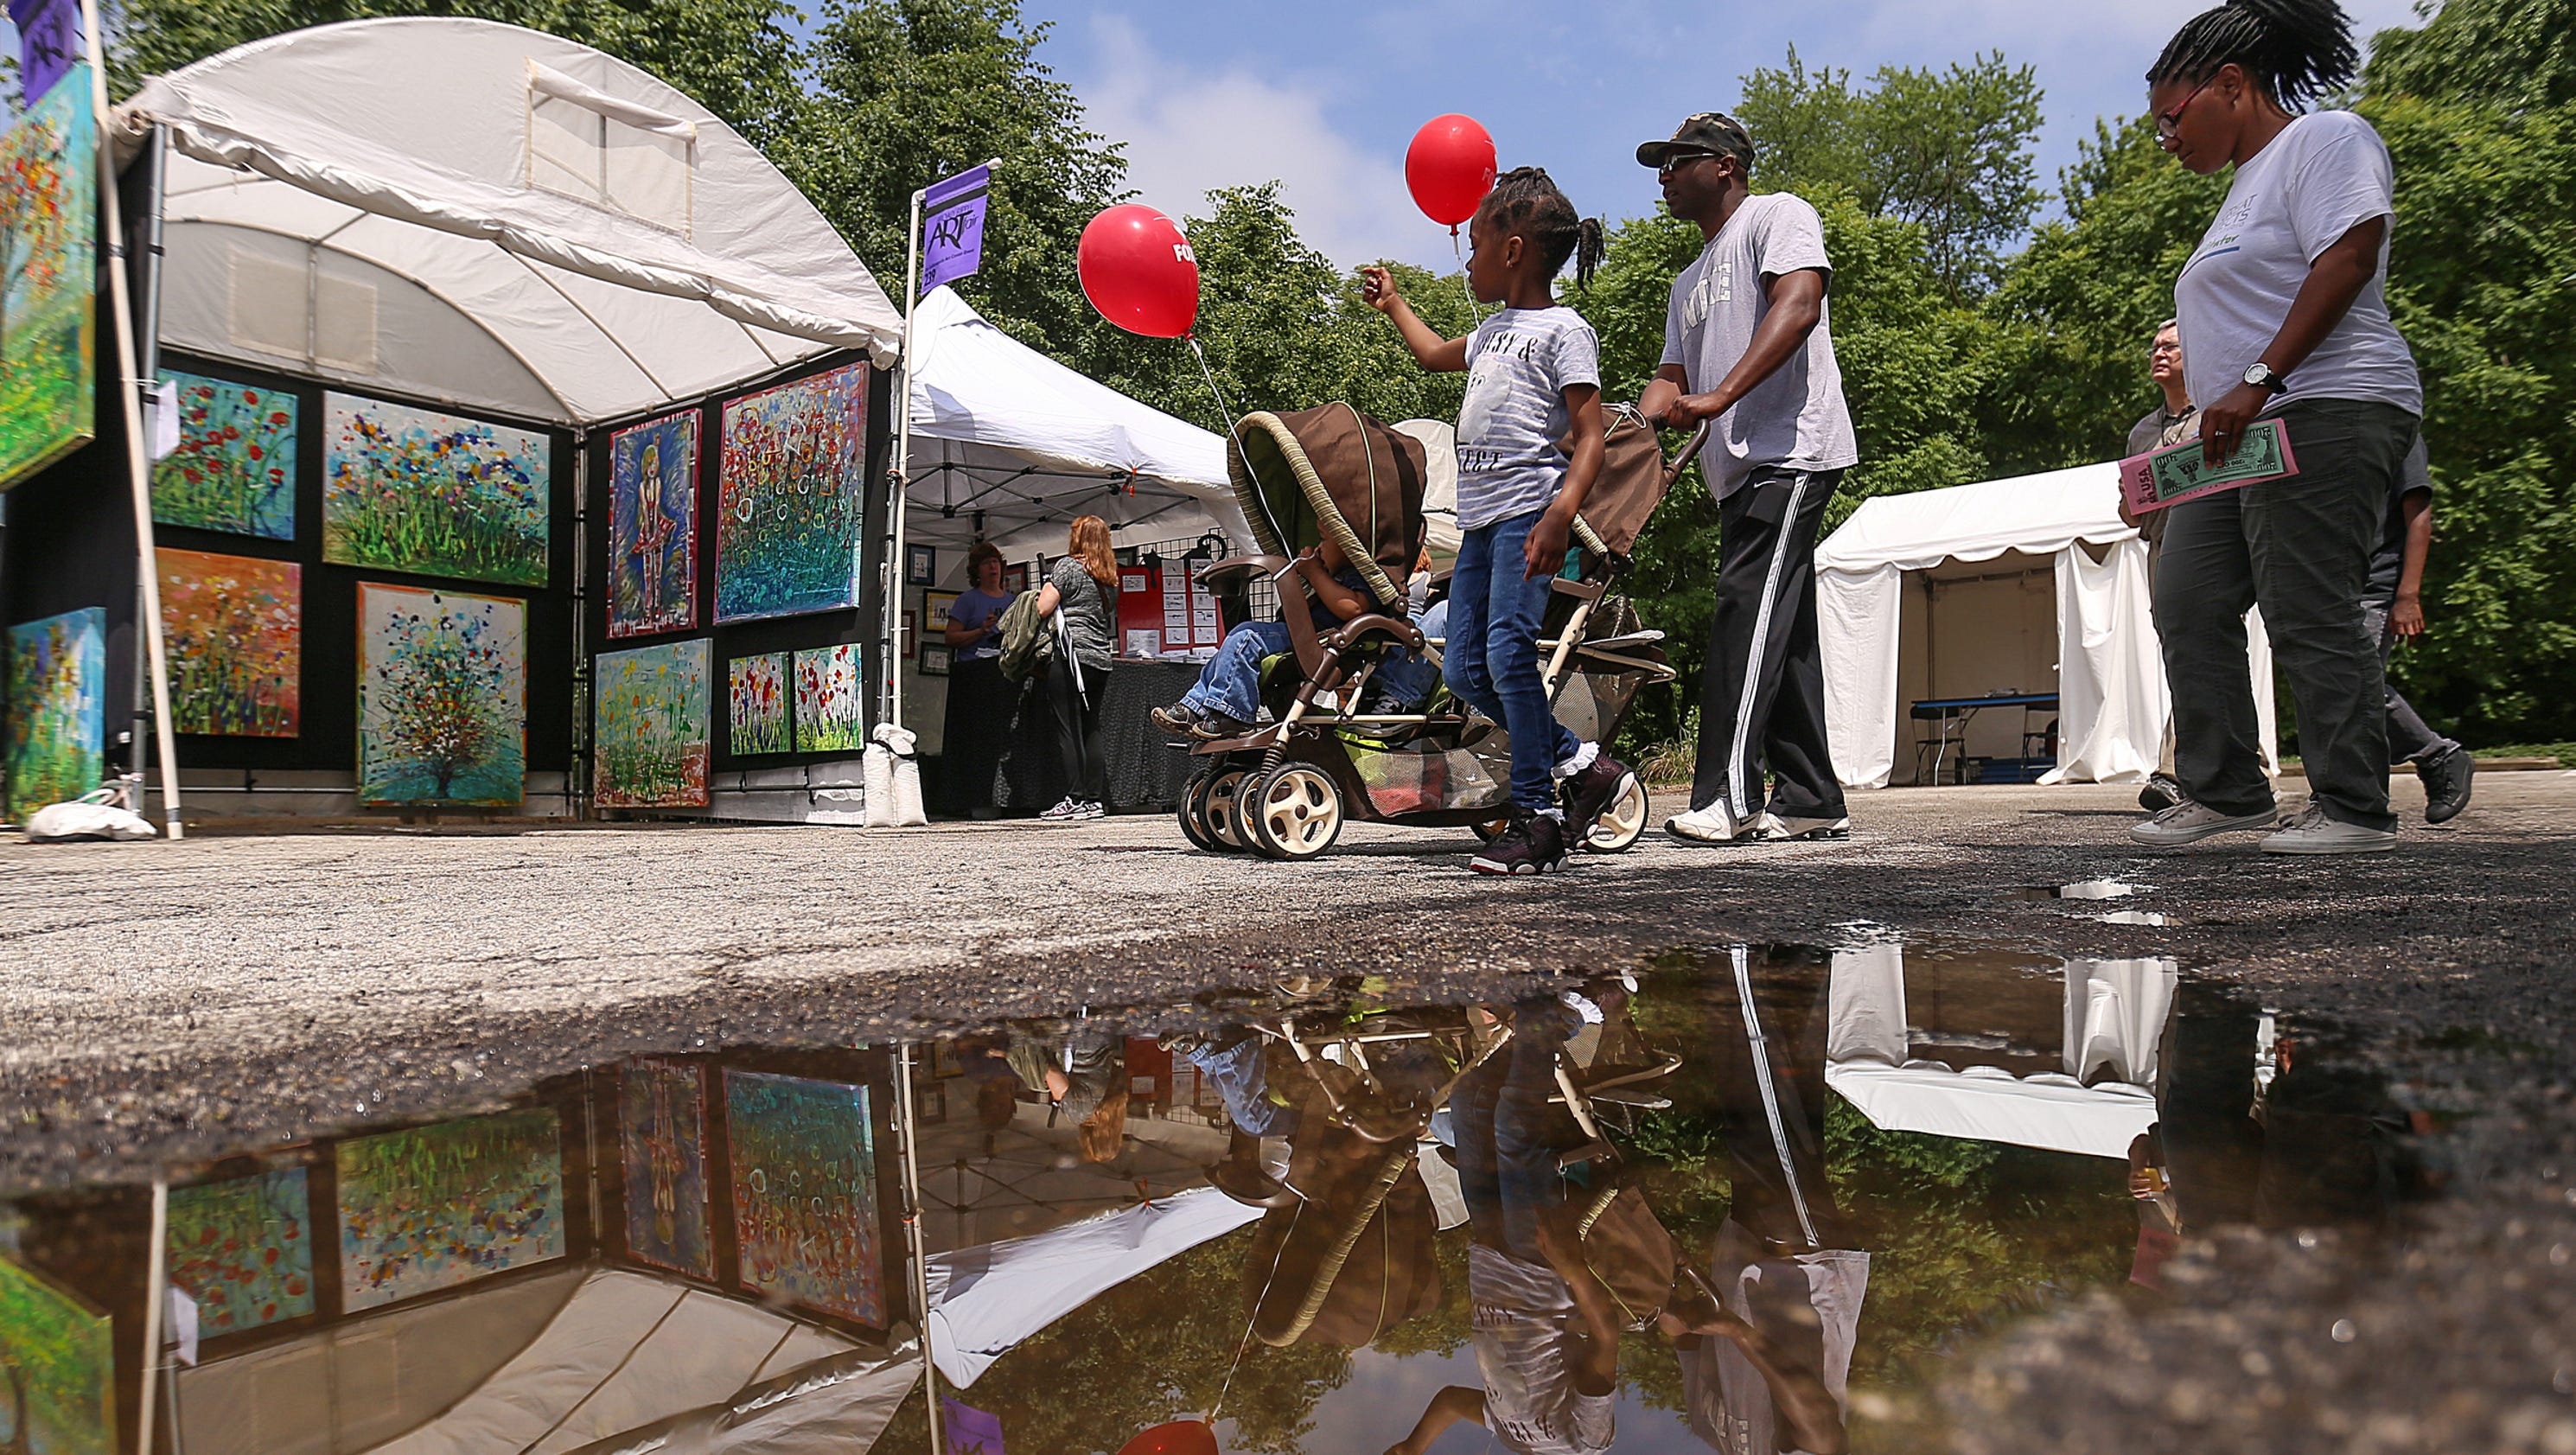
<point x="433" y="1207"/>
<point x="407" y="489"/>
<point x="57" y="709"/>
<point x="235" y="632"/>
<point x="243" y="1249"/>
<point x="234" y="469"/>
<point x="653" y="527"/>
<point x="651" y="747"/>
<point x="48" y="273"/>
<point x="805" y="1193"/>
<point x="60" y="1369"/>
<point x="662" y="1136"/>
<point x="827" y="701"/>
<point x="758" y="719"/>
<point x="790" y="488"/>
<point x="442" y="696"/>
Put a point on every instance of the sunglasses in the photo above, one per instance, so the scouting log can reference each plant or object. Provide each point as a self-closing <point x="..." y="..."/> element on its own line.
<point x="2168" y="123"/>
<point x="1675" y="161"/>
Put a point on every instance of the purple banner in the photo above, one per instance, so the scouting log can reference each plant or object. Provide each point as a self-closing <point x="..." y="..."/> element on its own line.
<point x="970" y="1431"/>
<point x="952" y="227"/>
<point x="49" y="43"/>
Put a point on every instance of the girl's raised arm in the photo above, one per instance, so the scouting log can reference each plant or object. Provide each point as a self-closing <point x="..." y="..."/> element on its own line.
<point x="1430" y="350"/>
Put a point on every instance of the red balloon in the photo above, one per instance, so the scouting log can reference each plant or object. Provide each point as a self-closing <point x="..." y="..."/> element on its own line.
<point x="1450" y="168"/>
<point x="1138" y="270"/>
<point x="1180" y="1437"/>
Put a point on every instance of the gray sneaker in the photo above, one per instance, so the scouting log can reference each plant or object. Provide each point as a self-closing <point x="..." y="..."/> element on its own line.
<point x="2189" y="823"/>
<point x="2314" y="833"/>
<point x="2446" y="783"/>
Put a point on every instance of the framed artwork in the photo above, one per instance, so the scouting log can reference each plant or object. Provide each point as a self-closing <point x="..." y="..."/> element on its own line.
<point x="433" y="1207"/>
<point x="407" y="489"/>
<point x="791" y="485"/>
<point x="907" y="635"/>
<point x="653" y="527"/>
<point x="936" y="605"/>
<point x="48" y="280"/>
<point x="650" y="748"/>
<point x="442" y="696"/>
<point x="757" y="722"/>
<point x="234" y="626"/>
<point x="920" y="564"/>
<point x="57" y="709"/>
<point x="805" y="1193"/>
<point x="662" y="1139"/>
<point x="827" y="701"/>
<point x="243" y="1249"/>
<point x="1015" y="579"/>
<point x="234" y="469"/>
<point x="62" y="1362"/>
<point x="935" y="660"/>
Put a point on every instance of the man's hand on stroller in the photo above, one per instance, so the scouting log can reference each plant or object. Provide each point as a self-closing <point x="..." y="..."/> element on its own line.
<point x="1543" y="553"/>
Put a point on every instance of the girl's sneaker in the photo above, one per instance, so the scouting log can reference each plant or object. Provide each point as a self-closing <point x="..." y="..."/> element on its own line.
<point x="1589" y="792"/>
<point x="1065" y="811"/>
<point x="1533" y="845"/>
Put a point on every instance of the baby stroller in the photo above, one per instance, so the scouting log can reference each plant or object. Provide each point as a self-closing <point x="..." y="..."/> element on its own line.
<point x="1284" y="789"/>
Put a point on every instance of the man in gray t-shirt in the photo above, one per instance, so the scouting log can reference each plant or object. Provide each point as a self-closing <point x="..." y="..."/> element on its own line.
<point x="1748" y="347"/>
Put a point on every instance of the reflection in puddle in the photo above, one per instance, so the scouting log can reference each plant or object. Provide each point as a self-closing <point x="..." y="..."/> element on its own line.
<point x="1753" y="1201"/>
<point x="2081" y="889"/>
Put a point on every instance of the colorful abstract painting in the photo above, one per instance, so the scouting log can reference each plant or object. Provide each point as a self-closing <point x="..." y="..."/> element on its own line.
<point x="407" y="489"/>
<point x="59" y="1373"/>
<point x="235" y="631"/>
<point x="653" y="527"/>
<point x="805" y="1193"/>
<point x="790" y="491"/>
<point x="442" y="696"/>
<point x="759" y="716"/>
<point x="243" y="1249"/>
<point x="434" y="1207"/>
<point x="57" y="709"/>
<point x="827" y="701"/>
<point x="234" y="469"/>
<point x="651" y="747"/>
<point x="662" y="1133"/>
<point x="48" y="274"/>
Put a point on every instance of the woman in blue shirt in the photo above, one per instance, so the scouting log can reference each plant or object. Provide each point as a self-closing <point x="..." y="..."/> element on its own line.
<point x="978" y="725"/>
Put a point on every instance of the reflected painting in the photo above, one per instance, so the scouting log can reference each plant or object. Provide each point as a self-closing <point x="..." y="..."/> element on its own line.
<point x="442" y="696"/>
<point x="234" y="626"/>
<point x="805" y="1193"/>
<point x="48" y="278"/>
<point x="243" y="1249"/>
<point x="791" y="487"/>
<point x="662" y="1136"/>
<point x="651" y="749"/>
<point x="234" y="468"/>
<point x="827" y="701"/>
<point x="433" y="1207"/>
<point x="60" y="1370"/>
<point x="758" y="718"/>
<point x="653" y="527"/>
<point x="57" y="709"/>
<point x="407" y="489"/>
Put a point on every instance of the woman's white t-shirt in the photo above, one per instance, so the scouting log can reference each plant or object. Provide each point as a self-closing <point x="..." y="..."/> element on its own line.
<point x="2326" y="173"/>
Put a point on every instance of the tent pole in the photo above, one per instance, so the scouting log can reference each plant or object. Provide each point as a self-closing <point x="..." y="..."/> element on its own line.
<point x="916" y="1238"/>
<point x="892" y="572"/>
<point x="138" y="448"/>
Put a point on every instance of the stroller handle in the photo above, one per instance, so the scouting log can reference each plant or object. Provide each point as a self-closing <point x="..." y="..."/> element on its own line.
<point x="1689" y="451"/>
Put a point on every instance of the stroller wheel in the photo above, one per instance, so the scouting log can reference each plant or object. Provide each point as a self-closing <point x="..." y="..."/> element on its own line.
<point x="1192" y="814"/>
<point x="1621" y="822"/>
<point x="1294" y="811"/>
<point x="1217" y="812"/>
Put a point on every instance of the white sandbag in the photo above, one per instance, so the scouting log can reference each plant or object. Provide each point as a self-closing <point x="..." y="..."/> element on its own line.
<point x="899" y="743"/>
<point x="91" y="817"/>
<point x="877" y="771"/>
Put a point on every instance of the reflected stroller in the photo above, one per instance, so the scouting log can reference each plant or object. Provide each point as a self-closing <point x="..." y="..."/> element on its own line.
<point x="1285" y="789"/>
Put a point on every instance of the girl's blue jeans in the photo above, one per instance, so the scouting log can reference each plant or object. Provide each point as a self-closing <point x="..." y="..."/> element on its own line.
<point x="1493" y="654"/>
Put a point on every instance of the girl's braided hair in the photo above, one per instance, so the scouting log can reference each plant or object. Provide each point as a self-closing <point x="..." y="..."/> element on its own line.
<point x="2296" y="50"/>
<point x="1527" y="202"/>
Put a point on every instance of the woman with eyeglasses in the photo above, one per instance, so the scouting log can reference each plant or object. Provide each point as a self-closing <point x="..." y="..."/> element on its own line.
<point x="2284" y="316"/>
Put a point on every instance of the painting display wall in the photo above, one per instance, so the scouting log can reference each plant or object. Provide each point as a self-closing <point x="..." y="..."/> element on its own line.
<point x="827" y="701"/>
<point x="57" y="709"/>
<point x="48" y="274"/>
<point x="805" y="1193"/>
<point x="651" y="746"/>
<point x="653" y="527"/>
<point x="442" y="696"/>
<point x="62" y="1369"/>
<point x="791" y="485"/>
<point x="662" y="1135"/>
<point x="433" y="1207"/>
<point x="234" y="469"/>
<point x="235" y="631"/>
<point x="242" y="1250"/>
<point x="407" y="489"/>
<point x="757" y="722"/>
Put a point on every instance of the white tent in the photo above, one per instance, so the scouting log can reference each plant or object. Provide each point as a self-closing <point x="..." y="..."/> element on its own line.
<point x="1988" y="619"/>
<point x="546" y="232"/>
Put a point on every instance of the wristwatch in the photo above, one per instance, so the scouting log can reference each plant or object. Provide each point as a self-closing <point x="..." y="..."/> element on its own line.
<point x="2262" y="376"/>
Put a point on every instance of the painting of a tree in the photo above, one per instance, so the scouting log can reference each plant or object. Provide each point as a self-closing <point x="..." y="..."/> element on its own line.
<point x="442" y="697"/>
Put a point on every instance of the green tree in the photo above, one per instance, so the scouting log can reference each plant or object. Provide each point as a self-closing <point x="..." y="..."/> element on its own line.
<point x="2518" y="54"/>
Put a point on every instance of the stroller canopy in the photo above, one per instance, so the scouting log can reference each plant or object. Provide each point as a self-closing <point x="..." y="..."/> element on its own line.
<point x="1333" y="470"/>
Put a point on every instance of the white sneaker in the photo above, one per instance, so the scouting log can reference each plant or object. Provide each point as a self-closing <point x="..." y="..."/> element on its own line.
<point x="1064" y="810"/>
<point x="1809" y="830"/>
<point x="2189" y="823"/>
<point x="1088" y="811"/>
<point x="2314" y="833"/>
<point x="1711" y="825"/>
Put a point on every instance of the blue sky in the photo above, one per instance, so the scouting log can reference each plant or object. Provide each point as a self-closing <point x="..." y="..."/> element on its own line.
<point x="1324" y="94"/>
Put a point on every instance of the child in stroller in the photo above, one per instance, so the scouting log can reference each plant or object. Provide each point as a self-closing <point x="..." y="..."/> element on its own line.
<point x="1227" y="700"/>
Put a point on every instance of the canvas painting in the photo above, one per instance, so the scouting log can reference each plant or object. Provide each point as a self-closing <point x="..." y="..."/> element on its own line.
<point x="651" y="747"/>
<point x="48" y="270"/>
<point x="60" y="1370"/>
<point x="433" y="1207"/>
<point x="827" y="701"/>
<point x="57" y="709"/>
<point x="759" y="714"/>
<point x="234" y="469"/>
<point x="234" y="626"/>
<point x="805" y="1193"/>
<point x="243" y="1249"/>
<point x="433" y="494"/>
<point x="653" y="527"/>
<point x="790" y="488"/>
<point x="442" y="696"/>
<point x="662" y="1132"/>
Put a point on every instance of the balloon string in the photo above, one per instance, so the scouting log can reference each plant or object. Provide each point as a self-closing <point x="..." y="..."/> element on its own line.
<point x="1474" y="317"/>
<point x="1226" y="409"/>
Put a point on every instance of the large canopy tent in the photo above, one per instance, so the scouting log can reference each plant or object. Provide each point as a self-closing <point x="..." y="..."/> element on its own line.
<point x="2030" y="585"/>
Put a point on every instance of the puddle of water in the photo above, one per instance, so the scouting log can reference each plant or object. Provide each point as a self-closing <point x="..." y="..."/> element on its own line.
<point x="1758" y="1198"/>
